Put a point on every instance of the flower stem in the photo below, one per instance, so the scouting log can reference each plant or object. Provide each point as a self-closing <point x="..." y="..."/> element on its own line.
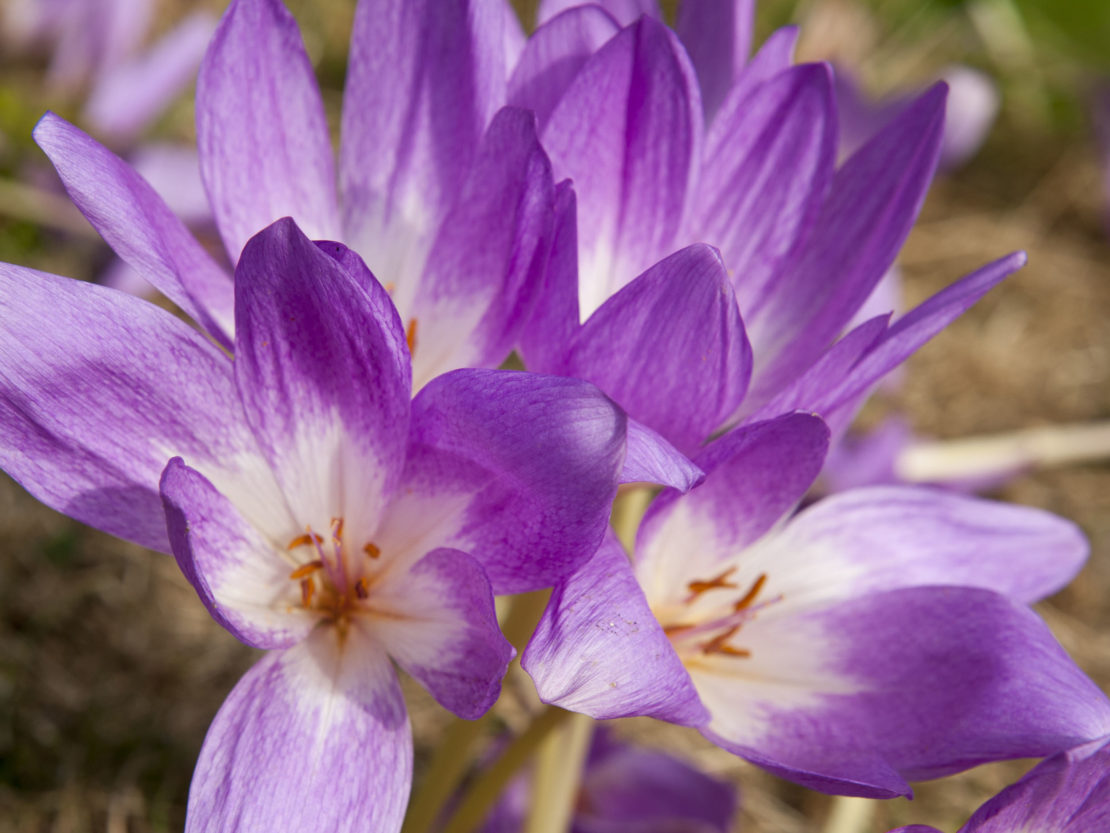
<point x="850" y="815"/>
<point x="489" y="785"/>
<point x="628" y="510"/>
<point x="558" y="776"/>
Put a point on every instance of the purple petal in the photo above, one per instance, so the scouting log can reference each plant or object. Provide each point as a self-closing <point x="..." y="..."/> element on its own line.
<point x="1068" y="793"/>
<point x="174" y="172"/>
<point x="98" y="390"/>
<point x="718" y="36"/>
<point x="554" y="318"/>
<point x="623" y="11"/>
<point x="766" y="170"/>
<point x="128" y="97"/>
<point x="242" y="580"/>
<point x="627" y="131"/>
<point x="313" y="738"/>
<point x="553" y="56"/>
<point x="872" y="203"/>
<point x="135" y="222"/>
<point x="322" y="368"/>
<point x="424" y="78"/>
<point x="489" y="255"/>
<point x="973" y="103"/>
<point x="775" y="56"/>
<point x="670" y="348"/>
<point x="599" y="650"/>
<point x="651" y="459"/>
<point x="754" y="476"/>
<point x="886" y="537"/>
<point x="438" y="622"/>
<point x="261" y="131"/>
<point x="858" y="697"/>
<point x="553" y="449"/>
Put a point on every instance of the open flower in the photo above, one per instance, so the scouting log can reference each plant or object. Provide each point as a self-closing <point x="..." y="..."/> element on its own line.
<point x="879" y="636"/>
<point x="317" y="511"/>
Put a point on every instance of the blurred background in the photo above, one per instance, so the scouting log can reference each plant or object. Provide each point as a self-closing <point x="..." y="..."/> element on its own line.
<point x="110" y="669"/>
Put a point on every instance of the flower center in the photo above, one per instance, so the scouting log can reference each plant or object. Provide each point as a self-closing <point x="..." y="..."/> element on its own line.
<point x="334" y="583"/>
<point x="710" y="632"/>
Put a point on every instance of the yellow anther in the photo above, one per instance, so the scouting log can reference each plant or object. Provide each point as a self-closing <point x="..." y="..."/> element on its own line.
<point x="753" y="591"/>
<point x="362" y="588"/>
<point x="371" y="550"/>
<point x="410" y="335"/>
<point x="698" y="587"/>
<point x="307" y="569"/>
<point x="308" y="538"/>
<point x="717" y="645"/>
<point x="308" y="587"/>
<point x="337" y="528"/>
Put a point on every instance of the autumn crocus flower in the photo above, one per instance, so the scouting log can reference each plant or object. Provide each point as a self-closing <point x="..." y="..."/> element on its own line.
<point x="878" y="637"/>
<point x="318" y="513"/>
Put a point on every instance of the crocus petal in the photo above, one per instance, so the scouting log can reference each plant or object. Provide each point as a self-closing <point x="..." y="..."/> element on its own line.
<point x="312" y="738"/>
<point x="973" y="103"/>
<point x="885" y="537"/>
<point x="553" y="449"/>
<point x="261" y="131"/>
<point x="98" y="390"/>
<point x="554" y="55"/>
<point x="669" y="347"/>
<point x="423" y="80"/>
<point x="438" y="622"/>
<point x="623" y="11"/>
<point x="766" y="168"/>
<point x="873" y="200"/>
<point x="554" y="318"/>
<point x="775" y="56"/>
<point x="322" y="368"/>
<point x="718" y="36"/>
<point x="755" y="475"/>
<point x="651" y="459"/>
<point x="627" y="131"/>
<point x="239" y="574"/>
<point x="136" y="223"/>
<point x="599" y="650"/>
<point x="487" y="260"/>
<point x="174" y="172"/>
<point x="131" y="95"/>
<point x="1068" y="793"/>
<point x="860" y="696"/>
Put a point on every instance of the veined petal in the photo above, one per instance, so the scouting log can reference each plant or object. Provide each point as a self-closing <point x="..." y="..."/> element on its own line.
<point x="865" y="540"/>
<point x="136" y="223"/>
<point x="775" y="56"/>
<point x="718" y="36"/>
<point x="599" y="650"/>
<point x="554" y="54"/>
<point x="861" y="696"/>
<point x="873" y="200"/>
<point x="552" y="449"/>
<point x="98" y="389"/>
<point x="765" y="172"/>
<point x="240" y="574"/>
<point x="754" y="476"/>
<point x="313" y="738"/>
<point x="324" y="378"/>
<point x="261" y="131"/>
<point x="623" y="11"/>
<point x="488" y="259"/>
<point x="651" y="459"/>
<point x="670" y="348"/>
<point x="438" y="622"/>
<point x="423" y="81"/>
<point x="627" y="131"/>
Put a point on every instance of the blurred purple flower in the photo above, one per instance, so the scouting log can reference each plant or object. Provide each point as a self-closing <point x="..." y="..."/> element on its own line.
<point x="1068" y="793"/>
<point x="878" y="637"/>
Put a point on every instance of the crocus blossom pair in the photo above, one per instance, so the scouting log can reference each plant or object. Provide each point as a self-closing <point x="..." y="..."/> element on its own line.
<point x="878" y="637"/>
<point x="315" y="510"/>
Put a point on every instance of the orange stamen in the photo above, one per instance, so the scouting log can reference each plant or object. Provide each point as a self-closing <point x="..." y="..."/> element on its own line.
<point x="371" y="550"/>
<point x="309" y="538"/>
<point x="307" y="569"/>
<point x="308" y="587"/>
<point x="410" y="335"/>
<point x="753" y="591"/>
<point x="337" y="528"/>
<point x="699" y="587"/>
<point x="362" y="588"/>
<point x="717" y="645"/>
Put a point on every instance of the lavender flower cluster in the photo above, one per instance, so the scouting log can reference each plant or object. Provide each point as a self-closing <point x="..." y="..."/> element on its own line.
<point x="658" y="227"/>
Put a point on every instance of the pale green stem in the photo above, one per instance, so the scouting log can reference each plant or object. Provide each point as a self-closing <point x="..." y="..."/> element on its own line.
<point x="25" y="202"/>
<point x="454" y="753"/>
<point x="491" y="782"/>
<point x="558" y="776"/>
<point x="628" y="511"/>
<point x="850" y="815"/>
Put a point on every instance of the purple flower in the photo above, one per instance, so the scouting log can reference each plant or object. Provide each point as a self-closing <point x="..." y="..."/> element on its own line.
<point x="315" y="510"/>
<point x="878" y="637"/>
<point x="628" y="789"/>
<point x="448" y="202"/>
<point x="1068" y="793"/>
<point x="801" y="242"/>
